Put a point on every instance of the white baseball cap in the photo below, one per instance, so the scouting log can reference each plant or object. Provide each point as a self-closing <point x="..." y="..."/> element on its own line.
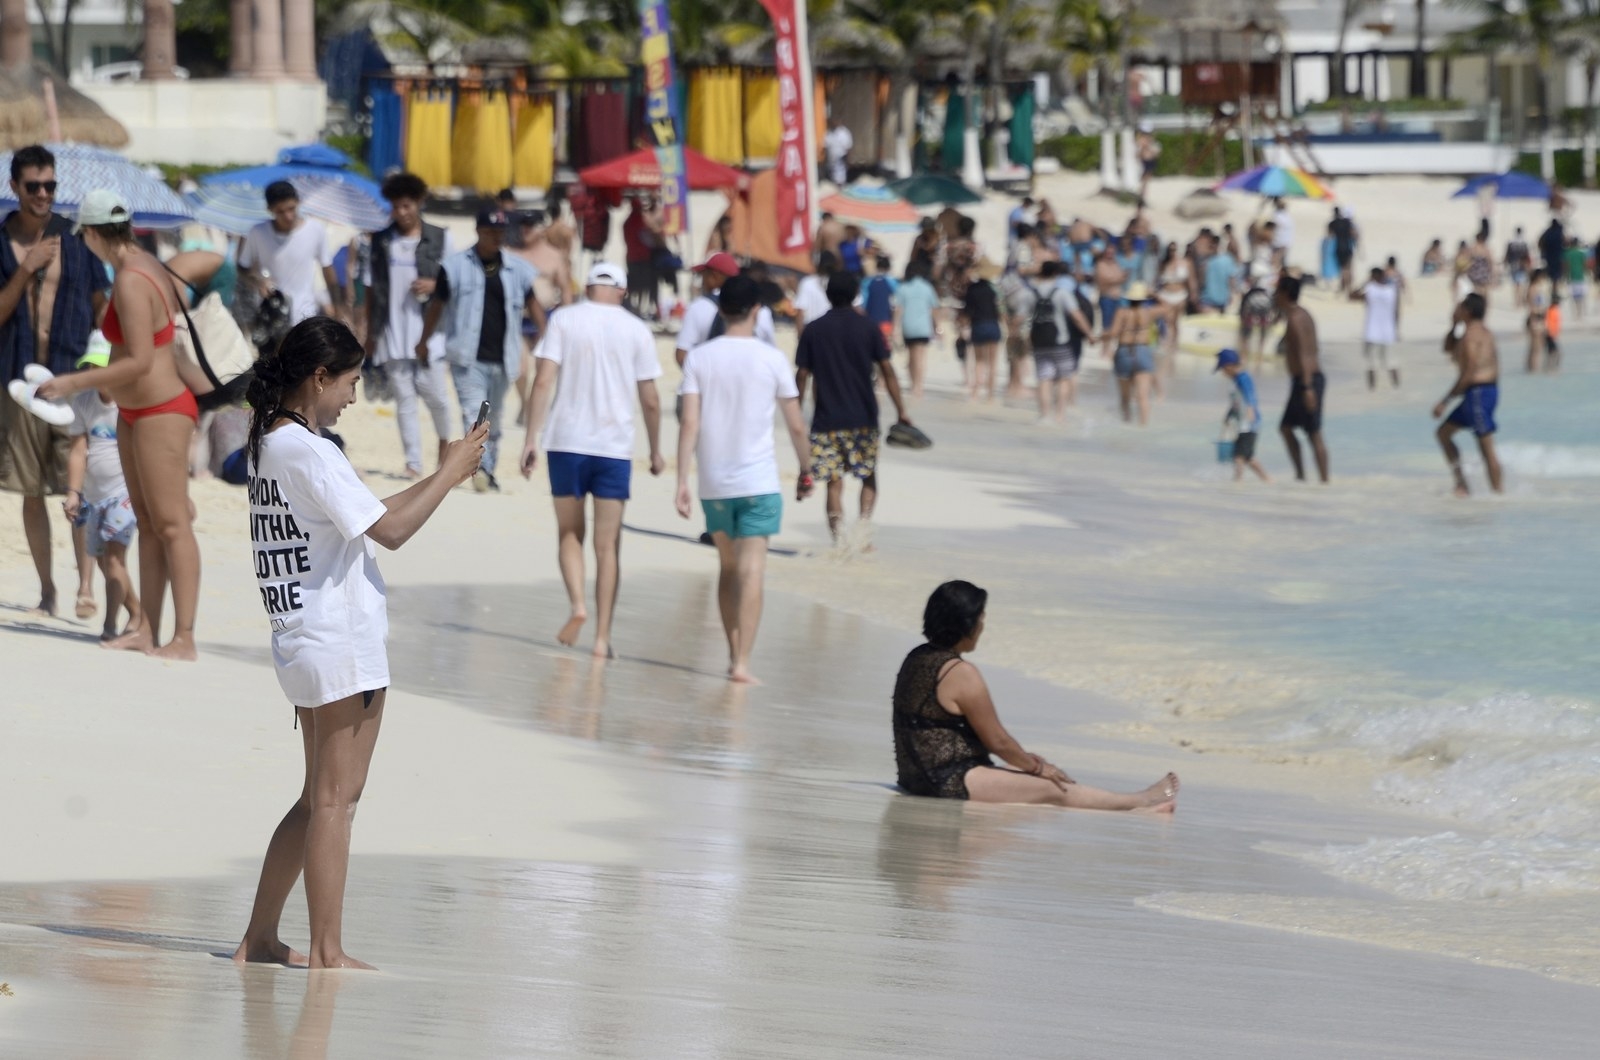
<point x="101" y="206"/>
<point x="605" y="274"/>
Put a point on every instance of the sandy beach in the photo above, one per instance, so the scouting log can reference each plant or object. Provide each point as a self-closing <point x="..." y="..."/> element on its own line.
<point x="1376" y="853"/>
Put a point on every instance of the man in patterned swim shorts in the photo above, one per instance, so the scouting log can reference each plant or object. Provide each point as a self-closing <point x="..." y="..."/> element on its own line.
<point x="842" y="351"/>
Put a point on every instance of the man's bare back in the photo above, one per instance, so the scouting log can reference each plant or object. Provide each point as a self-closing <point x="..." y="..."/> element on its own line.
<point x="1301" y="356"/>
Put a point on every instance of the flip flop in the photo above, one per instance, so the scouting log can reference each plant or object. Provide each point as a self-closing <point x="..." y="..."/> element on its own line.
<point x="53" y="413"/>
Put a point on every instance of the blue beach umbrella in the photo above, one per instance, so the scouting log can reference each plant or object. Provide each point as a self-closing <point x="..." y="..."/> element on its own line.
<point x="81" y="169"/>
<point x="310" y="168"/>
<point x="1512" y="185"/>
<point x="233" y="208"/>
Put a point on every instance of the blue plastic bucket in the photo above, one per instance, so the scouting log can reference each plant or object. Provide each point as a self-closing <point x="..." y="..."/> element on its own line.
<point x="1224" y="451"/>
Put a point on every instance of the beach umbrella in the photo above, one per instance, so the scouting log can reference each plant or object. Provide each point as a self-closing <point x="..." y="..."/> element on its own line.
<point x="639" y="170"/>
<point x="232" y="208"/>
<point x="1285" y="181"/>
<point x="872" y="207"/>
<point x="310" y="168"/>
<point x="81" y="169"/>
<point x="1512" y="185"/>
<point x="933" y="189"/>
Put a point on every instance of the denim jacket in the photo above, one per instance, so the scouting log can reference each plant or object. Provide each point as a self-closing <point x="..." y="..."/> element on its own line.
<point x="72" y="319"/>
<point x="463" y="313"/>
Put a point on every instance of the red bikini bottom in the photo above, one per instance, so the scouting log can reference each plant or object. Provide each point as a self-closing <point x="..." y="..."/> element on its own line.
<point x="184" y="404"/>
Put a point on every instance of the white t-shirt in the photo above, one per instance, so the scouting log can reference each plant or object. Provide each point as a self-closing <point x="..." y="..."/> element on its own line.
<point x="740" y="382"/>
<point x="295" y="259"/>
<point x="605" y="352"/>
<point x="811" y="299"/>
<point x="1382" y="301"/>
<point x="404" y="329"/>
<point x="102" y="479"/>
<point x="702" y="313"/>
<point x="838" y="142"/>
<point x="1282" y="230"/>
<point x="317" y="572"/>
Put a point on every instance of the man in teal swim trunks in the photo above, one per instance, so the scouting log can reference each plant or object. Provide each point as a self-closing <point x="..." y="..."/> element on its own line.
<point x="731" y="387"/>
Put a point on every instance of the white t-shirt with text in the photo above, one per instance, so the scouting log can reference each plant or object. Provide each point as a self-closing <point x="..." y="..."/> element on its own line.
<point x="740" y="382"/>
<point x="317" y="572"/>
<point x="605" y="352"/>
<point x="295" y="259"/>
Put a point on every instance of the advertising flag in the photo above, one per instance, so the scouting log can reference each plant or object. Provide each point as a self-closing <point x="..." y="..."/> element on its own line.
<point x="662" y="113"/>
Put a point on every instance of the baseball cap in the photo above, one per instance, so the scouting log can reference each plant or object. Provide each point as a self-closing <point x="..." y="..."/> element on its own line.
<point x="721" y="262"/>
<point x="101" y="207"/>
<point x="492" y="217"/>
<point x="98" y="353"/>
<point x="1225" y="358"/>
<point x="605" y="274"/>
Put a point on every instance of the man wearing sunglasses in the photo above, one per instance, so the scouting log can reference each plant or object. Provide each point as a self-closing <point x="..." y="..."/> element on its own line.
<point x="52" y="293"/>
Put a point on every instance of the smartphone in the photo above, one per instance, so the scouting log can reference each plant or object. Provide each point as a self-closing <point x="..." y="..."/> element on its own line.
<point x="483" y="415"/>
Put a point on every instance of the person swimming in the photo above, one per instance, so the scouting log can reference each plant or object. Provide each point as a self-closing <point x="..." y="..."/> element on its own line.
<point x="946" y="726"/>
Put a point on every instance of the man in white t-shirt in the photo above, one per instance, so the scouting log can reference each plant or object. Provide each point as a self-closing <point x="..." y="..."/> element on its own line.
<point x="1282" y="232"/>
<point x="837" y="142"/>
<point x="811" y="295"/>
<point x="285" y="254"/>
<point x="1382" y="297"/>
<point x="700" y="319"/>
<point x="401" y="275"/>
<point x="604" y="357"/>
<point x="731" y="388"/>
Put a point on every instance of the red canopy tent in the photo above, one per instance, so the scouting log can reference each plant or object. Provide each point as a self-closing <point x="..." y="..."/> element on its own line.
<point x="639" y="170"/>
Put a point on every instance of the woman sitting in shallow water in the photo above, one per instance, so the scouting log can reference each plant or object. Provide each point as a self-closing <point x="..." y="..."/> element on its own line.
<point x="945" y="725"/>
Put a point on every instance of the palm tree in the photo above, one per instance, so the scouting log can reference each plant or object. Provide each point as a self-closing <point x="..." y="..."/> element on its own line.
<point x="1347" y="15"/>
<point x="1419" y="55"/>
<point x="1581" y="35"/>
<point x="16" y="39"/>
<point x="1093" y="37"/>
<point x="1539" y="27"/>
<point x="160" y="41"/>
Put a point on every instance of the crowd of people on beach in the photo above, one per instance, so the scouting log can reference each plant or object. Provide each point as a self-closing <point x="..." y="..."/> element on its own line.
<point x="96" y="330"/>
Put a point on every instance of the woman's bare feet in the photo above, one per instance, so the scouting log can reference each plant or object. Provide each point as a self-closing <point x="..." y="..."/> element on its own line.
<point x="569" y="632"/>
<point x="180" y="648"/>
<point x="134" y="639"/>
<point x="1160" y="797"/>
<point x="85" y="606"/>
<point x="273" y="952"/>
<point x="741" y="675"/>
<point x="603" y="649"/>
<point x="47" y="605"/>
<point x="339" y="960"/>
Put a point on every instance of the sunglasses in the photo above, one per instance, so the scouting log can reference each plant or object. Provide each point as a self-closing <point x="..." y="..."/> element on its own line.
<point x="34" y="187"/>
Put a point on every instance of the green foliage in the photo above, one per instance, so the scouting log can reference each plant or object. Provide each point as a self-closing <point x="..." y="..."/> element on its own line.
<point x="1178" y="149"/>
<point x="353" y="144"/>
<point x="1360" y="108"/>
<point x="1569" y="167"/>
<point x="172" y="173"/>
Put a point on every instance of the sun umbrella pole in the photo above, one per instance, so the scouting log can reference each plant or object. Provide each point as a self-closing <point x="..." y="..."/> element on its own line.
<point x="51" y="111"/>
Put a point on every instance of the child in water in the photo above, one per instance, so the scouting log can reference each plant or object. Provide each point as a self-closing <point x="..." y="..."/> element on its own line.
<point x="1245" y="410"/>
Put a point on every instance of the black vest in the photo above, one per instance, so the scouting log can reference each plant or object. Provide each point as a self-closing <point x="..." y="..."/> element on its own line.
<point x="430" y="252"/>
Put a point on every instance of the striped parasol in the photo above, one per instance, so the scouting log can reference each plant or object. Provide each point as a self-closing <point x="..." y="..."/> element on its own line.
<point x="872" y="207"/>
<point x="1274" y="181"/>
<point x="233" y="208"/>
<point x="237" y="208"/>
<point x="81" y="169"/>
<point x="342" y="203"/>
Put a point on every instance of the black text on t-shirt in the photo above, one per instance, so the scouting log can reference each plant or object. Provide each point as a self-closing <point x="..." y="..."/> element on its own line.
<point x="273" y="537"/>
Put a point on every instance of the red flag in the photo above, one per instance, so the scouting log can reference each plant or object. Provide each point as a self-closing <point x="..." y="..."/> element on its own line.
<point x="796" y="166"/>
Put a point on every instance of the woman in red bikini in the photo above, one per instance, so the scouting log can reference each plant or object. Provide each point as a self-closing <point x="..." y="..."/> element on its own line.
<point x="158" y="418"/>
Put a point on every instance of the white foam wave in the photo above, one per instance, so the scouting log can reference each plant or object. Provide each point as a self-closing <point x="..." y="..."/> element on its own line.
<point x="1533" y="460"/>
<point x="1522" y="771"/>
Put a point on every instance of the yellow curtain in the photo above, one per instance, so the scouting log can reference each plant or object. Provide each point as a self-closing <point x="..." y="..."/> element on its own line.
<point x="428" y="137"/>
<point x="481" y="147"/>
<point x="763" y="122"/>
<point x="534" y="153"/>
<point x="716" y="115"/>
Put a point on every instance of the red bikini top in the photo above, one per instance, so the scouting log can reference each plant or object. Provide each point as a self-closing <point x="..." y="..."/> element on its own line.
<point x="111" y="327"/>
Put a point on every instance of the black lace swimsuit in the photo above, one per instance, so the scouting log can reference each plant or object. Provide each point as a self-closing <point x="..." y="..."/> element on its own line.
<point x="933" y="748"/>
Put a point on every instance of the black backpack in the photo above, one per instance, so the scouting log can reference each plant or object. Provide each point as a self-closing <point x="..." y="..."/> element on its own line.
<point x="1045" y="332"/>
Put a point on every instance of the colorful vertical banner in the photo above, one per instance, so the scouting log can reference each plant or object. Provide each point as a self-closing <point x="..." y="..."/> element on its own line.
<point x="662" y="114"/>
<point x="797" y="153"/>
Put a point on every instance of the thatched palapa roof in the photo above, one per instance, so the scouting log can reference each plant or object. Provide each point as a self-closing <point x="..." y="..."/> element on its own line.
<point x="24" y="119"/>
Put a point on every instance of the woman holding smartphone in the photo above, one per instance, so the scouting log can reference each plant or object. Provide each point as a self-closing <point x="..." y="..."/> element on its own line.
<point x="312" y="527"/>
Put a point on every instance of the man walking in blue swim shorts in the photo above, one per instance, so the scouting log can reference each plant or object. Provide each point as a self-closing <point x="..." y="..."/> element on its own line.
<point x="1477" y="385"/>
<point x="732" y="385"/>
<point x="604" y="356"/>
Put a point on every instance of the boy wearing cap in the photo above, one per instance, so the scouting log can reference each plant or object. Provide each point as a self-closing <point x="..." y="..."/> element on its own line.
<point x="1244" y="410"/>
<point x="97" y="494"/>
<point x="731" y="387"/>
<point x="481" y="297"/>
<point x="52" y="290"/>
<point x="285" y="253"/>
<point x="700" y="321"/>
<point x="604" y="357"/>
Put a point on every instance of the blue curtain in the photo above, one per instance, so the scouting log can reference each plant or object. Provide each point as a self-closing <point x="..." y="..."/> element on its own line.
<point x="954" y="151"/>
<point x="1021" y="150"/>
<point x="384" y="149"/>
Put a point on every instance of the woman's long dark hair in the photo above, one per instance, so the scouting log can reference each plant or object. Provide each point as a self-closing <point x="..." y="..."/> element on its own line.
<point x="317" y="342"/>
<point x="952" y="613"/>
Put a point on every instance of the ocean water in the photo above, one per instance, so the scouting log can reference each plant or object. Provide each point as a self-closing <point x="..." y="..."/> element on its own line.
<point x="1446" y="651"/>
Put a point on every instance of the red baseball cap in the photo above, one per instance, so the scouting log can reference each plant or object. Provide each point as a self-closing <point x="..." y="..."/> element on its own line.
<point x="721" y="262"/>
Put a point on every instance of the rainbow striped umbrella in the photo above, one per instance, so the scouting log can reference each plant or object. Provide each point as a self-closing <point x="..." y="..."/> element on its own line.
<point x="877" y="208"/>
<point x="1276" y="181"/>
